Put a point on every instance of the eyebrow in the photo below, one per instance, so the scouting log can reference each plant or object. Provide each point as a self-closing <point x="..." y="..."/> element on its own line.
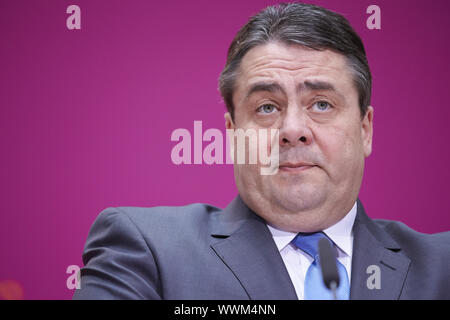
<point x="271" y="87"/>
<point x="274" y="87"/>
<point x="316" y="85"/>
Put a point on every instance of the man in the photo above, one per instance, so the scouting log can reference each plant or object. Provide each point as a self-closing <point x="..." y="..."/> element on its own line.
<point x="302" y="70"/>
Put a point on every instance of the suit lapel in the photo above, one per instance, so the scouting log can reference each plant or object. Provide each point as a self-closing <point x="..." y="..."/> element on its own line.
<point x="245" y="245"/>
<point x="372" y="246"/>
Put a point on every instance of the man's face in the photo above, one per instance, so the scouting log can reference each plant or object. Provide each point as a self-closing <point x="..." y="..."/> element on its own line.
<point x="310" y="97"/>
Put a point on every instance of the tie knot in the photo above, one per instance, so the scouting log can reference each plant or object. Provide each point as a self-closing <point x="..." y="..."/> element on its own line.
<point x="309" y="243"/>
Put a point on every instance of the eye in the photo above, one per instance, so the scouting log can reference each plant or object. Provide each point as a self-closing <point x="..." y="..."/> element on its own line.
<point x="321" y="106"/>
<point x="267" y="109"/>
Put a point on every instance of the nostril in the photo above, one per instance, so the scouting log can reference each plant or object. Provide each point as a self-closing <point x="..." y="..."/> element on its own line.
<point x="303" y="139"/>
<point x="285" y="140"/>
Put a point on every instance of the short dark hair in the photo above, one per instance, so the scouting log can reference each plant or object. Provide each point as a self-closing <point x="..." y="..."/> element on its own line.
<point x="304" y="24"/>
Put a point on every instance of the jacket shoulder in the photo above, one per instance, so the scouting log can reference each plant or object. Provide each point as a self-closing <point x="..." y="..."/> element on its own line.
<point x="160" y="221"/>
<point x="126" y="244"/>
<point x="416" y="243"/>
<point x="169" y="214"/>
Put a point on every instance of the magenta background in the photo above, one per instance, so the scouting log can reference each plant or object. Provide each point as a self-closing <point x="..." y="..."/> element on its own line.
<point x="86" y="118"/>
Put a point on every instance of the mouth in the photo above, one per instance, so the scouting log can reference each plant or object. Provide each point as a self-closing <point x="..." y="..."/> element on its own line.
<point x="295" y="167"/>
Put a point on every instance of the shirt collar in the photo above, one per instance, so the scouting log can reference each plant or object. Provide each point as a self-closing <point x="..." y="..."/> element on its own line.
<point x="340" y="233"/>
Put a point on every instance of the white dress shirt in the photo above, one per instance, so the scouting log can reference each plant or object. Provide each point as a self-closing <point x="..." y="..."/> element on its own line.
<point x="297" y="261"/>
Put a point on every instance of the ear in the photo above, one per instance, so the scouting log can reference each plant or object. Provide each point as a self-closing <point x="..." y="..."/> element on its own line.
<point x="367" y="131"/>
<point x="229" y="124"/>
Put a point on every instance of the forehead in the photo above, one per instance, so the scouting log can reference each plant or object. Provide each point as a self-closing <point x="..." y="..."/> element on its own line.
<point x="282" y="61"/>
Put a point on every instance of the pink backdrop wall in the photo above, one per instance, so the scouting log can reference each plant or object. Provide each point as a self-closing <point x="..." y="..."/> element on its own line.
<point x="86" y="117"/>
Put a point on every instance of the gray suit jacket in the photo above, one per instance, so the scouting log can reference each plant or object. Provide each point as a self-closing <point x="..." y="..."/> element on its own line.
<point x="203" y="252"/>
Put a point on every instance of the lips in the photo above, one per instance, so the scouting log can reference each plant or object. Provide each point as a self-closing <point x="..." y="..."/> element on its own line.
<point x="296" y="167"/>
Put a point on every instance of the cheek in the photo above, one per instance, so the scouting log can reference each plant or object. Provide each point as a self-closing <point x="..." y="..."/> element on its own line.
<point x="248" y="180"/>
<point x="341" y="148"/>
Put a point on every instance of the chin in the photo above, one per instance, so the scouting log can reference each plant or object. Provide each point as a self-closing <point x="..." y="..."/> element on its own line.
<point x="300" y="200"/>
<point x="293" y="206"/>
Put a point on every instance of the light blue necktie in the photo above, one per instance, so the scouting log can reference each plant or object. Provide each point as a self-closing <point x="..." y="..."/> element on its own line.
<point x="315" y="289"/>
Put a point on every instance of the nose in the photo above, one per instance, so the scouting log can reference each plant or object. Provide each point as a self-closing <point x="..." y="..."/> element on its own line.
<point x="295" y="129"/>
